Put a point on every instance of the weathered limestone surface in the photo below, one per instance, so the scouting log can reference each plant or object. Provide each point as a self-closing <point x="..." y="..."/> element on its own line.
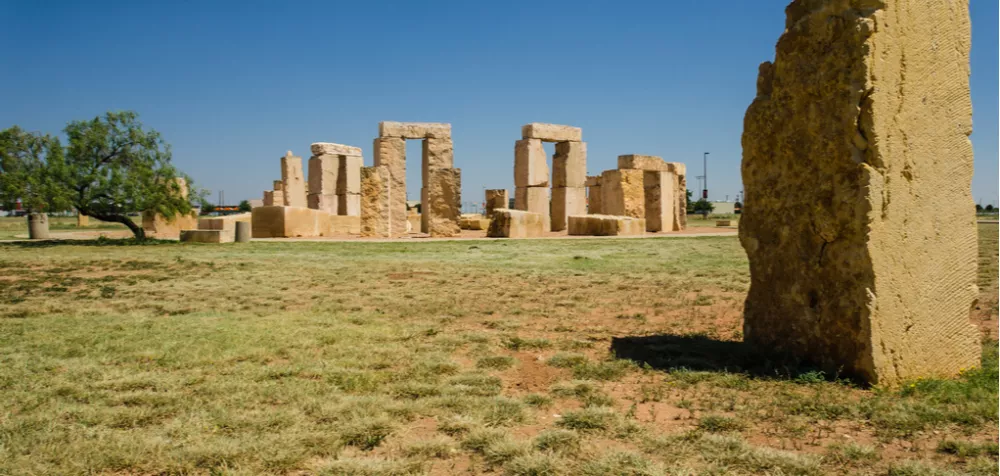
<point x="279" y="186"/>
<point x="437" y="154"/>
<point x="641" y="162"/>
<point x="349" y="204"/>
<point x="507" y="223"/>
<point x="324" y="171"/>
<point x="569" y="165"/>
<point x="593" y="184"/>
<point x="329" y="148"/>
<point x="495" y="199"/>
<point x="622" y="193"/>
<point x="208" y="236"/>
<point x="534" y="200"/>
<point x="660" y="200"/>
<point x="531" y="168"/>
<point x="226" y="223"/>
<point x="375" y="206"/>
<point x="444" y="202"/>
<point x="345" y="225"/>
<point x="269" y="198"/>
<point x="414" y="130"/>
<point x="551" y="132"/>
<point x="680" y="191"/>
<point x="326" y="202"/>
<point x="474" y="223"/>
<point x="390" y="152"/>
<point x="857" y="165"/>
<point x="567" y="201"/>
<point x="82" y="220"/>
<point x="606" y="225"/>
<point x="349" y="174"/>
<point x="287" y="222"/>
<point x="294" y="181"/>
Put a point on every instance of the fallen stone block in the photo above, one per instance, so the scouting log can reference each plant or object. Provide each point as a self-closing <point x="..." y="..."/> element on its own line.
<point x="414" y="130"/>
<point x="507" y="223"/>
<point x="551" y="132"/>
<point x="479" y="223"/>
<point x="208" y="236"/>
<point x="289" y="222"/>
<point x="723" y="223"/>
<point x="606" y="225"/>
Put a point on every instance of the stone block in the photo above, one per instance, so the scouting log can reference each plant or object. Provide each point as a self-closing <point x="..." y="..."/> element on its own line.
<point x="594" y="200"/>
<point x="723" y="223"/>
<point x="375" y="205"/>
<point x="345" y="225"/>
<point x="593" y="181"/>
<point x="606" y="225"/>
<point x="294" y="181"/>
<point x="622" y="193"/>
<point x="82" y="221"/>
<point x="437" y="154"/>
<point x="531" y="168"/>
<point x="444" y="202"/>
<point x="414" y="222"/>
<point x="857" y="165"/>
<point x="390" y="152"/>
<point x="660" y="200"/>
<point x="551" y="132"/>
<point x="642" y="162"/>
<point x="324" y="172"/>
<point x="278" y="186"/>
<point x="414" y="130"/>
<point x="208" y="236"/>
<point x="507" y="223"/>
<point x="569" y="165"/>
<point x="329" y="148"/>
<point x="326" y="202"/>
<point x="349" y="204"/>
<point x="474" y="223"/>
<point x="495" y="199"/>
<point x="567" y="201"/>
<point x="349" y="174"/>
<point x="225" y="223"/>
<point x="160" y="226"/>
<point x="269" y="198"/>
<point x="288" y="222"/>
<point x="534" y="200"/>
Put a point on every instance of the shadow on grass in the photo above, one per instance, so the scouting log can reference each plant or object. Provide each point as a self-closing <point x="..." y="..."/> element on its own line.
<point x="701" y="353"/>
<point x="100" y="241"/>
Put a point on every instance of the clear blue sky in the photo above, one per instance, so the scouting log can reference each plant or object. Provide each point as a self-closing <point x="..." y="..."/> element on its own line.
<point x="233" y="85"/>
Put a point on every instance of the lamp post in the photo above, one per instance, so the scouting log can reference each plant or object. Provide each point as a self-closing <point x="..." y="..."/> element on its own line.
<point x="704" y="191"/>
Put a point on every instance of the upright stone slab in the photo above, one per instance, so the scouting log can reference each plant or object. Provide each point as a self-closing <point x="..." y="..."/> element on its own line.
<point x="531" y="168"/>
<point x="496" y="199"/>
<point x="534" y="200"/>
<point x="567" y="201"/>
<point x="680" y="194"/>
<point x="594" y="195"/>
<point x="390" y="152"/>
<point x="269" y="198"/>
<point x="858" y="219"/>
<point x="323" y="176"/>
<point x="294" y="181"/>
<point x="660" y="200"/>
<point x="551" y="132"/>
<point x="444" y="202"/>
<point x="569" y="165"/>
<point x="349" y="174"/>
<point x="375" y="214"/>
<point x="437" y="154"/>
<point x="622" y="193"/>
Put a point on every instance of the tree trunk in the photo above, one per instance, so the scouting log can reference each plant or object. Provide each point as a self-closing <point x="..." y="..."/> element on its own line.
<point x="38" y="226"/>
<point x="137" y="230"/>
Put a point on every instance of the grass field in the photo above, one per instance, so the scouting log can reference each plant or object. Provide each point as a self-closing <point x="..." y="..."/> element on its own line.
<point x="17" y="227"/>
<point x="442" y="358"/>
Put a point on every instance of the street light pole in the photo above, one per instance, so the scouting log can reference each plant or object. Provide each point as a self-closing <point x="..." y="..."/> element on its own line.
<point x="704" y="192"/>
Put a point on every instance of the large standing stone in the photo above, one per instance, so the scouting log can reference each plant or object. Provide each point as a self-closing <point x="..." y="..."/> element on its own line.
<point x="567" y="201"/>
<point x="534" y="200"/>
<point x="551" y="132"/>
<point x="437" y="154"/>
<point x="349" y="174"/>
<point x="622" y="193"/>
<point x="531" y="168"/>
<point x="496" y="199"/>
<point x="594" y="195"/>
<point x="444" y="202"/>
<point x="294" y="181"/>
<point x="324" y="173"/>
<point x="680" y="192"/>
<point x="375" y="191"/>
<point x="390" y="152"/>
<point x="569" y="165"/>
<point x="507" y="223"/>
<point x="857" y="164"/>
<point x="660" y="201"/>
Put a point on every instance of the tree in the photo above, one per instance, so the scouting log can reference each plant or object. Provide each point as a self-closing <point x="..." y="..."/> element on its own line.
<point x="245" y="206"/>
<point x="704" y="207"/>
<point x="207" y="208"/>
<point x="979" y="208"/>
<point x="989" y="207"/>
<point x="690" y="203"/>
<point x="113" y="167"/>
<point x="27" y="165"/>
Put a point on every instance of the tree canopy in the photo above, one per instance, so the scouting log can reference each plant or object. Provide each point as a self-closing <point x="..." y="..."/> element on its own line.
<point x="28" y="164"/>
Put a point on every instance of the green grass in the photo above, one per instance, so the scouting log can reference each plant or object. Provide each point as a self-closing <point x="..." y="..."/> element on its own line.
<point x="14" y="227"/>
<point x="408" y="358"/>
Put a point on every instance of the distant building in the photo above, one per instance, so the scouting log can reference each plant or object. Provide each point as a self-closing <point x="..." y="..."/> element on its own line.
<point x="724" y="208"/>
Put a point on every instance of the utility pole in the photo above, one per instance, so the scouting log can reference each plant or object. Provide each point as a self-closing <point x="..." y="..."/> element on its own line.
<point x="704" y="191"/>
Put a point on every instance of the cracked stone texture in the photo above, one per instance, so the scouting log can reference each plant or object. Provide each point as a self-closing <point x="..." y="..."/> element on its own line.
<point x="294" y="181"/>
<point x="507" y="223"/>
<point x="414" y="130"/>
<point x="375" y="202"/>
<point x="444" y="202"/>
<point x="551" y="132"/>
<point x="622" y="193"/>
<point x="390" y="152"/>
<point x="569" y="164"/>
<point x="531" y="167"/>
<point x="495" y="199"/>
<point x="858" y="218"/>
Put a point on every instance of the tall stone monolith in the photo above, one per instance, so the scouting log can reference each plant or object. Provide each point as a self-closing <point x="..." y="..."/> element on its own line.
<point x="858" y="218"/>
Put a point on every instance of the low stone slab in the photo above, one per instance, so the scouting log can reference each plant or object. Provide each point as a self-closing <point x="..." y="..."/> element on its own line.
<point x="723" y="223"/>
<point x="329" y="148"/>
<point x="227" y="223"/>
<point x="208" y="236"/>
<point x="162" y="227"/>
<point x="551" y="132"/>
<point x="474" y="223"/>
<point x="606" y="225"/>
<point x="507" y="223"/>
<point x="290" y="222"/>
<point x="415" y="130"/>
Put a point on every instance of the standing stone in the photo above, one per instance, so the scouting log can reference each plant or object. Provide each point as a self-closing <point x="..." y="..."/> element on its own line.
<point x="349" y="204"/>
<point x="269" y="198"/>
<point x="349" y="174"/>
<point x="444" y="202"/>
<point x="531" y="168"/>
<point x="437" y="154"/>
<point x="659" y="190"/>
<point x="567" y="201"/>
<point x="242" y="232"/>
<point x="375" y="190"/>
<point x="680" y="192"/>
<point x="38" y="226"/>
<point x="569" y="165"/>
<point x="594" y="195"/>
<point x="857" y="165"/>
<point x="390" y="152"/>
<point x="294" y="181"/>
<point x="622" y="193"/>
<point x="534" y="200"/>
<point x="278" y="186"/>
<point x="324" y="172"/>
<point x="496" y="199"/>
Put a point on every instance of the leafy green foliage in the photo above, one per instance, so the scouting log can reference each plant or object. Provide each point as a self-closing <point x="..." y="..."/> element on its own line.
<point x="245" y="206"/>
<point x="27" y="163"/>
<point x="702" y="207"/>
